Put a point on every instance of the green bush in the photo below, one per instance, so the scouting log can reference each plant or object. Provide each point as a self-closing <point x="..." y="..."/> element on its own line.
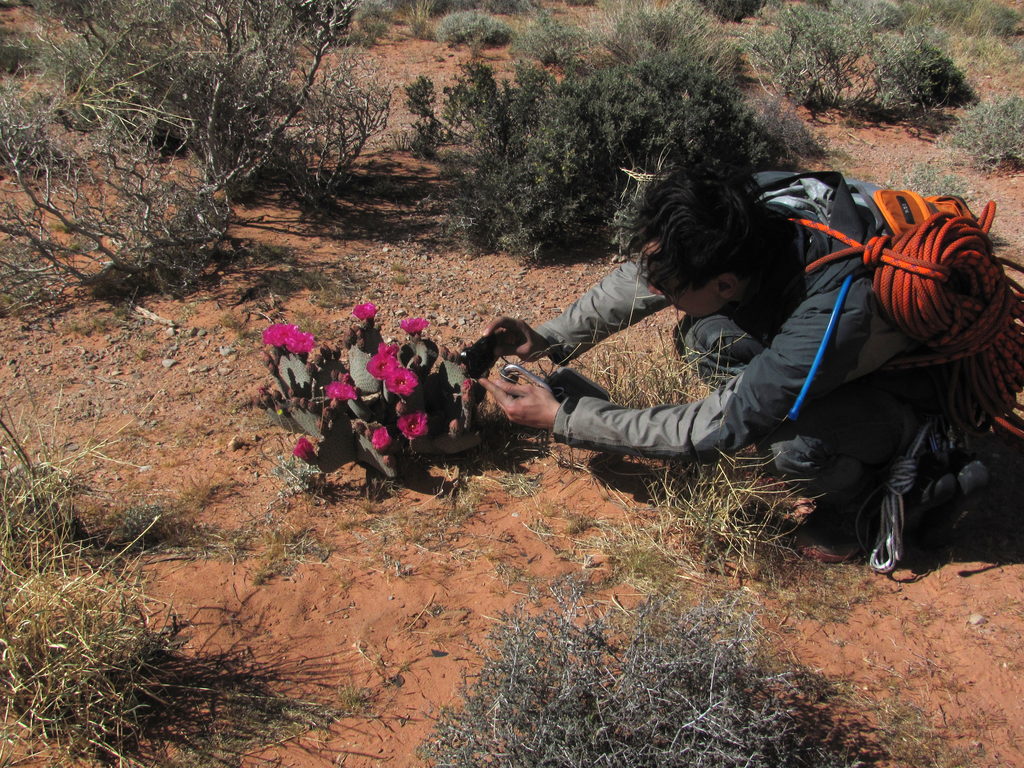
<point x="538" y="159"/>
<point x="911" y="73"/>
<point x="838" y="57"/>
<point x="553" y="43"/>
<point x="928" y="180"/>
<point x="992" y="133"/>
<point x="566" y="689"/>
<point x="472" y="28"/>
<point x="632" y="32"/>
<point x="733" y="10"/>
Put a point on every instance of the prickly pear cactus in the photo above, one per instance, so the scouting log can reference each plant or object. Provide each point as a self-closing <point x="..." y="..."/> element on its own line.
<point x="369" y="402"/>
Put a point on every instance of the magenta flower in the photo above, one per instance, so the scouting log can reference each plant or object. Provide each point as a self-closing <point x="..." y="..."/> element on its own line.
<point x="277" y="335"/>
<point x="414" y="325"/>
<point x="341" y="390"/>
<point x="413" y="424"/>
<point x="304" y="450"/>
<point x="365" y="311"/>
<point x="381" y="438"/>
<point x="381" y="365"/>
<point x="391" y="350"/>
<point x="300" y="343"/>
<point x="401" y="381"/>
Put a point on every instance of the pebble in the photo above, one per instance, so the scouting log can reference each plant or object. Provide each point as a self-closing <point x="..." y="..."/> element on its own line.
<point x="976" y="620"/>
<point x="168" y="362"/>
<point x="201" y="332"/>
<point x="145" y="468"/>
<point x="225" y="351"/>
<point x="169" y="332"/>
<point x="223" y="370"/>
<point x="235" y="443"/>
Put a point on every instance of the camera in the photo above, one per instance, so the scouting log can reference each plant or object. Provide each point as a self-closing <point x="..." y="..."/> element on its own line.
<point x="480" y="356"/>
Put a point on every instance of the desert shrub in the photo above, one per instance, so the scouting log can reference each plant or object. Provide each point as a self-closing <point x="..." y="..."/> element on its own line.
<point x="472" y="28"/>
<point x="553" y="43"/>
<point x="911" y="73"/>
<point x="370" y="22"/>
<point x="733" y="10"/>
<point x="98" y="208"/>
<point x="567" y="688"/>
<point x="420" y="17"/>
<point x="992" y="133"/>
<point x="815" y="56"/>
<point x="538" y="159"/>
<point x="631" y="32"/>
<point x="784" y="129"/>
<point x="161" y="115"/>
<point x="834" y="57"/>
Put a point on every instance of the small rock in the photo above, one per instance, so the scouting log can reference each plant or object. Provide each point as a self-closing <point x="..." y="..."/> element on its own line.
<point x="976" y="620"/>
<point x="91" y="367"/>
<point x="169" y="332"/>
<point x="235" y="443"/>
<point x="193" y="332"/>
<point x="201" y="332"/>
<point x="168" y="362"/>
<point x="223" y="370"/>
<point x="225" y="351"/>
<point x="145" y="468"/>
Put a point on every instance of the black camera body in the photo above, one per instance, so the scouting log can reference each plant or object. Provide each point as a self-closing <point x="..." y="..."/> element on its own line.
<point x="480" y="356"/>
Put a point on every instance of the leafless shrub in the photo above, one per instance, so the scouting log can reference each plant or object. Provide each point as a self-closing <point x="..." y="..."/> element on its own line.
<point x="568" y="689"/>
<point x="96" y="207"/>
<point x="157" y="116"/>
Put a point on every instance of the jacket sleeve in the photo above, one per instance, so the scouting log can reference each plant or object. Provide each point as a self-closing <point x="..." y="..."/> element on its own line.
<point x="617" y="302"/>
<point x="750" y="405"/>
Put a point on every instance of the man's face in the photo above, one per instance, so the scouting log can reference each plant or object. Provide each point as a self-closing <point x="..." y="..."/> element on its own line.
<point x="698" y="302"/>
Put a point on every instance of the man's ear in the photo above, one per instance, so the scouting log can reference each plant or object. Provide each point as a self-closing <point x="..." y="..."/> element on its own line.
<point x="728" y="286"/>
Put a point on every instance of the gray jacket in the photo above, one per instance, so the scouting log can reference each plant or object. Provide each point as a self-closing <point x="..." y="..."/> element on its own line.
<point x="788" y="314"/>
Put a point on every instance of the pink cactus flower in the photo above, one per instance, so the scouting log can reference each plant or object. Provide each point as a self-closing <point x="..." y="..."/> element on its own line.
<point x="304" y="450"/>
<point x="414" y="325"/>
<point x="278" y="334"/>
<point x="381" y="438"/>
<point x="341" y="390"/>
<point x="381" y="365"/>
<point x="300" y="343"/>
<point x="413" y="424"/>
<point x="391" y="350"/>
<point x="365" y="311"/>
<point x="401" y="381"/>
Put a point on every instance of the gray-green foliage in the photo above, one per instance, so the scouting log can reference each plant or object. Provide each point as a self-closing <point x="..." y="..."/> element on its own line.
<point x="978" y="17"/>
<point x="631" y="32"/>
<point x="568" y="689"/>
<point x="840" y="56"/>
<point x="473" y="28"/>
<point x="552" y="42"/>
<point x="537" y="160"/>
<point x="992" y="133"/>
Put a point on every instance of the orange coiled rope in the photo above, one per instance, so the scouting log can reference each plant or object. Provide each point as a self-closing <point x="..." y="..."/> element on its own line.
<point x="941" y="284"/>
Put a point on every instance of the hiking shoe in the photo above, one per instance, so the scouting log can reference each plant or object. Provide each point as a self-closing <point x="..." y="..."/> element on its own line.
<point x="824" y="544"/>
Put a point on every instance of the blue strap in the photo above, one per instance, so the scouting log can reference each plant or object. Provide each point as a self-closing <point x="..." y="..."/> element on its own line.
<point x="830" y="330"/>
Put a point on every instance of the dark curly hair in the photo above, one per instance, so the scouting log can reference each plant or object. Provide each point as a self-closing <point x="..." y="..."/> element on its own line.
<point x="697" y="224"/>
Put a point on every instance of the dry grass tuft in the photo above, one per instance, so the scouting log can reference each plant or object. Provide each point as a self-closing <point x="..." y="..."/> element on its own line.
<point x="725" y="516"/>
<point x="77" y="655"/>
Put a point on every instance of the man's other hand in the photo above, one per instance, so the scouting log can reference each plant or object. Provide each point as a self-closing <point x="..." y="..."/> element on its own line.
<point x="516" y="337"/>
<point x="525" y="404"/>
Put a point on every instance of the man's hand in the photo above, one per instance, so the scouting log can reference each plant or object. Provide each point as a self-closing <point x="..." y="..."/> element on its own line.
<point x="516" y="337"/>
<point x="525" y="404"/>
